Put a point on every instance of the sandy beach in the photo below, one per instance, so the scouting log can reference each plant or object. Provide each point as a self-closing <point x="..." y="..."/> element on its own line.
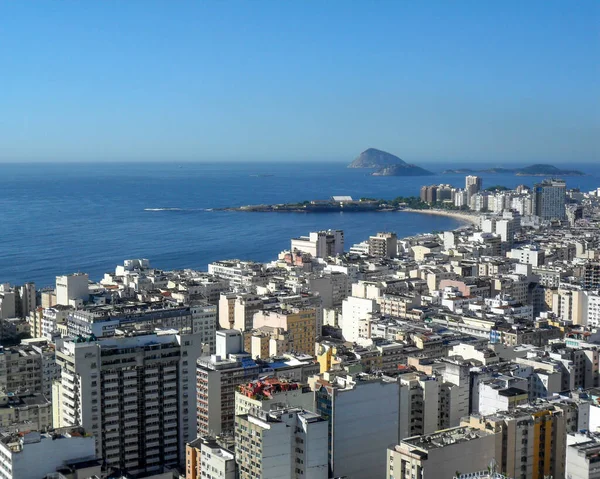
<point x="459" y="215"/>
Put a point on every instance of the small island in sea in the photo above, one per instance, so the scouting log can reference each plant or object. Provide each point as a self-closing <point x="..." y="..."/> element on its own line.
<point x="386" y="164"/>
<point x="532" y="170"/>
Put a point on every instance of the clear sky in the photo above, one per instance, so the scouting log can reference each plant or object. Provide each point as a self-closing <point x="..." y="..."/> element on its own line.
<point x="208" y="80"/>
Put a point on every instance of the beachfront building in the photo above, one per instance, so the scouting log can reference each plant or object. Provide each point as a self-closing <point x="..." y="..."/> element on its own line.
<point x="320" y="244"/>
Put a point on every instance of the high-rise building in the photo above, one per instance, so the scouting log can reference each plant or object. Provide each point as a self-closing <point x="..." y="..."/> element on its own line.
<point x="135" y="393"/>
<point x="290" y="443"/>
<point x="270" y="393"/>
<point x="429" y="194"/>
<point x="218" y="376"/>
<point x="363" y="417"/>
<point x="473" y="184"/>
<point x="550" y="199"/>
<point x="28" y="299"/>
<point x="532" y="440"/>
<point x="383" y="245"/>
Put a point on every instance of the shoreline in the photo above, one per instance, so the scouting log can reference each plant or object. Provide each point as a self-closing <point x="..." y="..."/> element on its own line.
<point x="473" y="219"/>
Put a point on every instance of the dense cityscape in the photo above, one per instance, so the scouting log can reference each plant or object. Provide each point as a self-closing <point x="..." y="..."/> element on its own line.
<point x="456" y="354"/>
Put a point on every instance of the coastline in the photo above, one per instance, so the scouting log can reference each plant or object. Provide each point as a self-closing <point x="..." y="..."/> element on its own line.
<point x="466" y="217"/>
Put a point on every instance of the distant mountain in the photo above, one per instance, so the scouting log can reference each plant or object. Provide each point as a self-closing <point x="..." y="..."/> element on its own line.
<point x="533" y="170"/>
<point x="373" y="158"/>
<point x="386" y="164"/>
<point x="499" y="170"/>
<point x="459" y="171"/>
<point x="546" y="170"/>
<point x="402" y="170"/>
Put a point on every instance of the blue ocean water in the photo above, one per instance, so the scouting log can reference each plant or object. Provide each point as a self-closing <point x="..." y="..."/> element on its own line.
<point x="59" y="218"/>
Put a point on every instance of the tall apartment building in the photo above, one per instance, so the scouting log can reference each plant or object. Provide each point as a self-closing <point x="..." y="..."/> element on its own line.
<point x="103" y="320"/>
<point x="204" y="323"/>
<point x="290" y="443"/>
<point x="271" y="393"/>
<point x="443" y="454"/>
<point x="473" y="184"/>
<point x="34" y="318"/>
<point x="383" y="245"/>
<point x="7" y="302"/>
<point x="550" y="199"/>
<point x="429" y="194"/>
<point x="218" y="376"/>
<point x="320" y="244"/>
<point x="532" y="440"/>
<point x="28" y="299"/>
<point x="135" y="393"/>
<point x="332" y="287"/>
<point x="434" y="400"/>
<point x="363" y="418"/>
<point x="72" y="289"/>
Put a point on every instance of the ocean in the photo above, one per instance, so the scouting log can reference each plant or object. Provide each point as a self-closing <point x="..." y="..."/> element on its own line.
<point x="60" y="218"/>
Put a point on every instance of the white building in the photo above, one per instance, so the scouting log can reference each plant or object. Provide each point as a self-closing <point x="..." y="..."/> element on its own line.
<point x="204" y="323"/>
<point x="441" y="455"/>
<point x="354" y="310"/>
<point x="583" y="453"/>
<point x="290" y="443"/>
<point x="126" y="388"/>
<point x="7" y="302"/>
<point x="528" y="255"/>
<point x="218" y="376"/>
<point x="383" y="245"/>
<point x="72" y="289"/>
<point x="208" y="458"/>
<point x="363" y="416"/>
<point x="35" y="455"/>
<point x="320" y="244"/>
<point x="217" y="462"/>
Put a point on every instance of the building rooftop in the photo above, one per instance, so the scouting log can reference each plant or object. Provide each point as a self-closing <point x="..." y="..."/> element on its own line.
<point x="443" y="438"/>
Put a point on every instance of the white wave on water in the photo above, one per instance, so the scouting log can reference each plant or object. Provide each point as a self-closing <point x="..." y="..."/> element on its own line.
<point x="178" y="209"/>
<point x="163" y="209"/>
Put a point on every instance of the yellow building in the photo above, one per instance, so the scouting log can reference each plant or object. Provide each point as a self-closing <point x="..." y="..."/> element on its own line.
<point x="300" y="325"/>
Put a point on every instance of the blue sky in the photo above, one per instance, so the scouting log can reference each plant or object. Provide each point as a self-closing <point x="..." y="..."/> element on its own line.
<point x="226" y="80"/>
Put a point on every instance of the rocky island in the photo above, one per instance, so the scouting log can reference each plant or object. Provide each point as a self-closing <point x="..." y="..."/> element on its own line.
<point x="386" y="164"/>
<point x="532" y="170"/>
